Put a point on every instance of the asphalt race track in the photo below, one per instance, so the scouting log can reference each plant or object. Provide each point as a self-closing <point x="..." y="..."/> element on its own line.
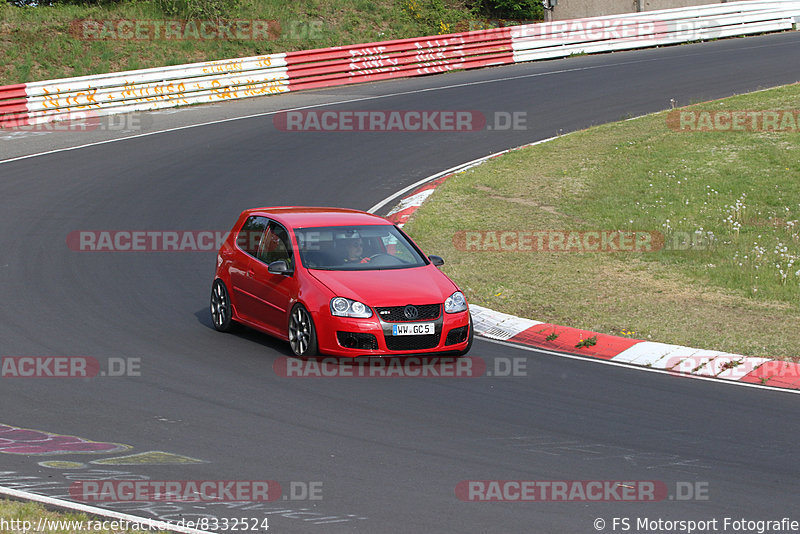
<point x="388" y="453"/>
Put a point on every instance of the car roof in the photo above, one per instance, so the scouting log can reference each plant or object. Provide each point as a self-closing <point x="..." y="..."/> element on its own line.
<point x="312" y="217"/>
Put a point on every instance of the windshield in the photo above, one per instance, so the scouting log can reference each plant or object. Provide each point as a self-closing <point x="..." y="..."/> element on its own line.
<point x="354" y="248"/>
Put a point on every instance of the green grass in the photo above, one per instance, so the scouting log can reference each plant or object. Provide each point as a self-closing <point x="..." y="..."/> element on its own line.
<point x="728" y="204"/>
<point x="34" y="512"/>
<point x="36" y="43"/>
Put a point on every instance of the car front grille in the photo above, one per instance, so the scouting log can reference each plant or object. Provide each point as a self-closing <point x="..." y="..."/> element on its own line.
<point x="412" y="342"/>
<point x="396" y="314"/>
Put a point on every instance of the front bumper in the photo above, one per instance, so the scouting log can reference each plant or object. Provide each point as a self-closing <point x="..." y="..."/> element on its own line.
<point x="361" y="335"/>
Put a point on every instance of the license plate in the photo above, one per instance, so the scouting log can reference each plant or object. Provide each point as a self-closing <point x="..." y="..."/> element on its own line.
<point x="413" y="329"/>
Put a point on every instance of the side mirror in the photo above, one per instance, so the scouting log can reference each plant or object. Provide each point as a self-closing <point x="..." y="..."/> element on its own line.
<point x="279" y="267"/>
<point x="438" y="261"/>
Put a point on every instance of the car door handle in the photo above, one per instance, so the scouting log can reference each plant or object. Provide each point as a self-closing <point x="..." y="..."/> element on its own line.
<point x="251" y="273"/>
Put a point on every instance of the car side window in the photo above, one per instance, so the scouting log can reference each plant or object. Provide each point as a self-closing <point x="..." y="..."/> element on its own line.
<point x="250" y="235"/>
<point x="275" y="245"/>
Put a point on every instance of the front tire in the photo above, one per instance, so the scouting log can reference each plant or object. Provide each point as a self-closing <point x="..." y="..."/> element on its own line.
<point x="220" y="307"/>
<point x="302" y="334"/>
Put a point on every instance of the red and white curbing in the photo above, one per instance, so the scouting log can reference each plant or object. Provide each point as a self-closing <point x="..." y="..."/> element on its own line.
<point x="677" y="359"/>
<point x="408" y="205"/>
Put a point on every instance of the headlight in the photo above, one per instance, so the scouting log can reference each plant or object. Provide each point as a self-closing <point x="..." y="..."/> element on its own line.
<point x="455" y="303"/>
<point x="343" y="307"/>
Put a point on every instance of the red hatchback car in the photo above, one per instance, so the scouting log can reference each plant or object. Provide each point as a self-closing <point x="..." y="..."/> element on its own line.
<point x="339" y="282"/>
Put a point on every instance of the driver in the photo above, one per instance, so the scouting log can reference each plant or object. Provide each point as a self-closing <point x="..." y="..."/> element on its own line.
<point x="354" y="251"/>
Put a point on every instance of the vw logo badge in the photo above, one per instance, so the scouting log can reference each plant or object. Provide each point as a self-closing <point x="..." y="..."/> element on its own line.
<point x="411" y="312"/>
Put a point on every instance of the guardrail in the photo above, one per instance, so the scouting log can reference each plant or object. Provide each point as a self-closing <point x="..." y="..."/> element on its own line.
<point x="215" y="81"/>
<point x="652" y="28"/>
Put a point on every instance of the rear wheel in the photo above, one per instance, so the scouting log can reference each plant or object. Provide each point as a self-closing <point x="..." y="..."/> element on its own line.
<point x="302" y="334"/>
<point x="220" y="307"/>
